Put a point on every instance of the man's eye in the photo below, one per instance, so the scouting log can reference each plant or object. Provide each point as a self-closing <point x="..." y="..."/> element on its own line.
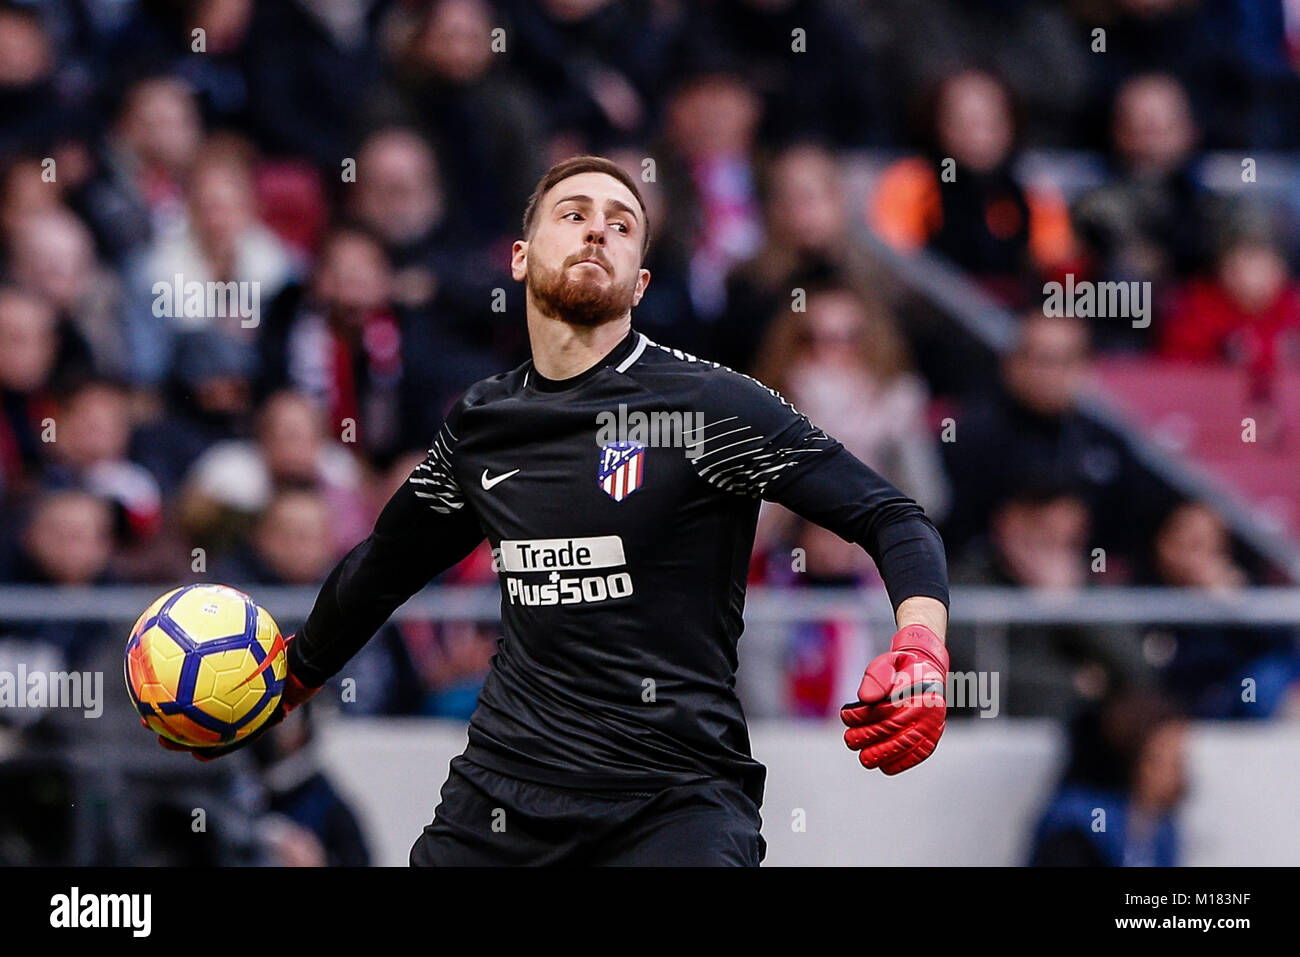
<point x="622" y="226"/>
<point x="572" y="212"/>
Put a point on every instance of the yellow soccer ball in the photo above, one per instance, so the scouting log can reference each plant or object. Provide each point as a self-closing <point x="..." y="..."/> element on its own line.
<point x="205" y="665"/>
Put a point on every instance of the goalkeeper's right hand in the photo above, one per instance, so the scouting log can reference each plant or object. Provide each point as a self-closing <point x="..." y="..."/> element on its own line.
<point x="293" y="694"/>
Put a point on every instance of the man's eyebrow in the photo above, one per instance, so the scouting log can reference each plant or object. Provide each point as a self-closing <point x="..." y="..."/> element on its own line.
<point x="582" y="198"/>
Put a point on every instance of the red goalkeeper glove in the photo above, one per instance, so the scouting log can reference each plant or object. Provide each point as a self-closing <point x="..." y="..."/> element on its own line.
<point x="293" y="694"/>
<point x="900" y="714"/>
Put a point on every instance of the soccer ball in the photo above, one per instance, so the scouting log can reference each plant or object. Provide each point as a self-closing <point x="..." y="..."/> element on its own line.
<point x="205" y="665"/>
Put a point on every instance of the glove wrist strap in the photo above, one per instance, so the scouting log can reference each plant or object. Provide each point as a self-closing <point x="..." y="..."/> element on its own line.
<point x="921" y="639"/>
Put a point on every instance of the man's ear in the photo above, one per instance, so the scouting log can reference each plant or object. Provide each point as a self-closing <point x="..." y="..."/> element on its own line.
<point x="519" y="260"/>
<point x="642" y="280"/>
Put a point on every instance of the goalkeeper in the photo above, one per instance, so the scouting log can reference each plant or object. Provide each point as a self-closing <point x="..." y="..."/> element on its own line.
<point x="608" y="730"/>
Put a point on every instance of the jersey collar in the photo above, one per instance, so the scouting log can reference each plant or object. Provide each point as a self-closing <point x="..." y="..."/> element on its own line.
<point x="621" y="356"/>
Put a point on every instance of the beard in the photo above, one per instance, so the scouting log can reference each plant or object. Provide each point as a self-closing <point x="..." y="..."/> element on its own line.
<point x="581" y="301"/>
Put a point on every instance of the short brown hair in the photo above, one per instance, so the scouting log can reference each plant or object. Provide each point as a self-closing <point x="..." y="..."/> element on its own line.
<point x="585" y="164"/>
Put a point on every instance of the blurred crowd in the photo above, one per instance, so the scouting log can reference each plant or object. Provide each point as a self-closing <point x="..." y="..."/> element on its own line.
<point x="361" y="167"/>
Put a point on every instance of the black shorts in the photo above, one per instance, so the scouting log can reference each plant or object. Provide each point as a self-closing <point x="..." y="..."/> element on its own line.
<point x="488" y="819"/>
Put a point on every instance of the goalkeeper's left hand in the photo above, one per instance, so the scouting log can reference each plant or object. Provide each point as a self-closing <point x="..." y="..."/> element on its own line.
<point x="900" y="714"/>
<point x="292" y="695"/>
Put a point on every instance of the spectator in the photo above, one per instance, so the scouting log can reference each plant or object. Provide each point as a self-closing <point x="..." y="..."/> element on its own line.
<point x="595" y="65"/>
<point x="1249" y="96"/>
<point x="1039" y="539"/>
<point x="400" y="198"/>
<point x="806" y="242"/>
<point x="25" y="193"/>
<point x="1219" y="671"/>
<point x="38" y="108"/>
<point x="1035" y="46"/>
<point x="67" y="539"/>
<point x="162" y="36"/>
<point x="826" y="90"/>
<point x="341" y="340"/>
<point x="234" y="481"/>
<point x="1027" y="425"/>
<point x="1152" y="221"/>
<point x="309" y="65"/>
<point x="53" y="253"/>
<point x="291" y="542"/>
<point x="225" y="244"/>
<point x="454" y="668"/>
<point x="442" y="282"/>
<point x="1186" y="39"/>
<point x="487" y="126"/>
<point x="1117" y="800"/>
<point x="90" y="453"/>
<point x="710" y="123"/>
<point x="137" y="193"/>
<point x="962" y="199"/>
<point x="1246" y="312"/>
<point x="844" y="365"/>
<point x="207" y="399"/>
<point x="28" y="348"/>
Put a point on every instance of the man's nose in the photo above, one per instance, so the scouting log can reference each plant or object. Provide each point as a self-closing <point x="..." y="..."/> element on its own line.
<point x="596" y="230"/>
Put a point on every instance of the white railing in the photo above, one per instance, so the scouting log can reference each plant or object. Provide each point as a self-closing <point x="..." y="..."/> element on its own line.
<point x="974" y="605"/>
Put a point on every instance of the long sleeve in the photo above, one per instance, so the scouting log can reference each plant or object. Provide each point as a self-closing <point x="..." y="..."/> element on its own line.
<point x="840" y="493"/>
<point x="763" y="446"/>
<point x="425" y="528"/>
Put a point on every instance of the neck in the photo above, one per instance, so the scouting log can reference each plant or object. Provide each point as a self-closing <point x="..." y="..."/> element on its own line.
<point x="562" y="350"/>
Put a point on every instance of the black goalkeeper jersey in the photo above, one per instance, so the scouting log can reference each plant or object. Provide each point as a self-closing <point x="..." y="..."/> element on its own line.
<point x="620" y="505"/>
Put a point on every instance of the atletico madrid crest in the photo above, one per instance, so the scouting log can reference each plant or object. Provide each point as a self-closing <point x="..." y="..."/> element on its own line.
<point x="622" y="468"/>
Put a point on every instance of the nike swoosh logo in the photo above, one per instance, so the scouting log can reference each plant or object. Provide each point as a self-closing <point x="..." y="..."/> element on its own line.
<point x="497" y="479"/>
<point x="277" y="646"/>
